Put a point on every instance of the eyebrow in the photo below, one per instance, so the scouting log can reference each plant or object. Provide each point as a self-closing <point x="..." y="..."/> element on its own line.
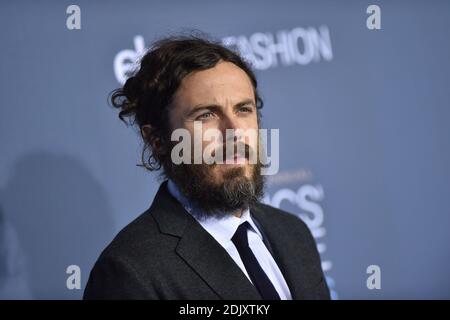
<point x="213" y="106"/>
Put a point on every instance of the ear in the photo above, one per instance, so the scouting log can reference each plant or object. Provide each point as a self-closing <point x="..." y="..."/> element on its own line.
<point x="145" y="130"/>
<point x="154" y="141"/>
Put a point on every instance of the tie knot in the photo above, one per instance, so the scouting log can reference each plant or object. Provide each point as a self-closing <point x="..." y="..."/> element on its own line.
<point x="240" y="236"/>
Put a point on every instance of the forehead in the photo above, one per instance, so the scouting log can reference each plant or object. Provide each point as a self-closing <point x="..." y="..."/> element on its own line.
<point x="220" y="84"/>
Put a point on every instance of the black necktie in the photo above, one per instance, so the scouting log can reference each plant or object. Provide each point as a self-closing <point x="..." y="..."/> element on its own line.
<point x="254" y="270"/>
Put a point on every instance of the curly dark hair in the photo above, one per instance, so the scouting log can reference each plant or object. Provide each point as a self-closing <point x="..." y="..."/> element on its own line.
<point x="146" y="95"/>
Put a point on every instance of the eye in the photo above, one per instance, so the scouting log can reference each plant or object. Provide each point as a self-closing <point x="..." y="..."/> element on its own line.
<point x="245" y="109"/>
<point x="205" y="115"/>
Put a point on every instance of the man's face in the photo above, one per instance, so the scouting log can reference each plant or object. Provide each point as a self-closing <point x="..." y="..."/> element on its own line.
<point x="220" y="98"/>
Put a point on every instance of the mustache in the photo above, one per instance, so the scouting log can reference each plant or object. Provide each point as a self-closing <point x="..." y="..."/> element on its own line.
<point x="239" y="149"/>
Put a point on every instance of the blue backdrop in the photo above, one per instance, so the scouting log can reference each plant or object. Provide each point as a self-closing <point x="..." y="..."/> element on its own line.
<point x="363" y="117"/>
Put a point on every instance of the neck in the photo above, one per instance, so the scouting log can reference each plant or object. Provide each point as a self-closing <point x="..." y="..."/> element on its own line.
<point x="238" y="213"/>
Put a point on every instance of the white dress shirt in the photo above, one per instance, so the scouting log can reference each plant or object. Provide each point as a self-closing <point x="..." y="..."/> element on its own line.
<point x="222" y="230"/>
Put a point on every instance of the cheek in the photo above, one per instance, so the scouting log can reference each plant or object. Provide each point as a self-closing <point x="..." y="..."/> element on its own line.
<point x="210" y="146"/>
<point x="252" y="133"/>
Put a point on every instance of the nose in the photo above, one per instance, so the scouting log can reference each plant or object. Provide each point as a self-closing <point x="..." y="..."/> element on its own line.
<point x="229" y="121"/>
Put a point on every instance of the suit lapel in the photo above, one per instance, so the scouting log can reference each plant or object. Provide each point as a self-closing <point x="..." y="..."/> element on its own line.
<point x="212" y="262"/>
<point x="200" y="250"/>
<point x="286" y="252"/>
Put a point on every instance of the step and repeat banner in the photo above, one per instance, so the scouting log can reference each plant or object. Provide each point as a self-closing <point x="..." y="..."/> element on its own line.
<point x="359" y="91"/>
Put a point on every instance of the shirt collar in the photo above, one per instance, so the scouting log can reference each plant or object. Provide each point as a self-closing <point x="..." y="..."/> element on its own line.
<point x="222" y="227"/>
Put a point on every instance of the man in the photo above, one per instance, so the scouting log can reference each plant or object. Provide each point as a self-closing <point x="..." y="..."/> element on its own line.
<point x="206" y="235"/>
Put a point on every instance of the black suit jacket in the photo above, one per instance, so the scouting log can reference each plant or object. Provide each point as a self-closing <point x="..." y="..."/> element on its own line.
<point x="166" y="254"/>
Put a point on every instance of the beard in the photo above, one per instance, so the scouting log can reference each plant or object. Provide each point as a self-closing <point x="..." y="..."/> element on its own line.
<point x="219" y="199"/>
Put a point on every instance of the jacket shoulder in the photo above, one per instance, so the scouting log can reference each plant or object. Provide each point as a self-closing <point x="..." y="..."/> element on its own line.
<point x="284" y="219"/>
<point x="118" y="271"/>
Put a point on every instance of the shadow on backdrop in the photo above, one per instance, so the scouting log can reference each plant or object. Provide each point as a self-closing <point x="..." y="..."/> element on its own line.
<point x="53" y="213"/>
